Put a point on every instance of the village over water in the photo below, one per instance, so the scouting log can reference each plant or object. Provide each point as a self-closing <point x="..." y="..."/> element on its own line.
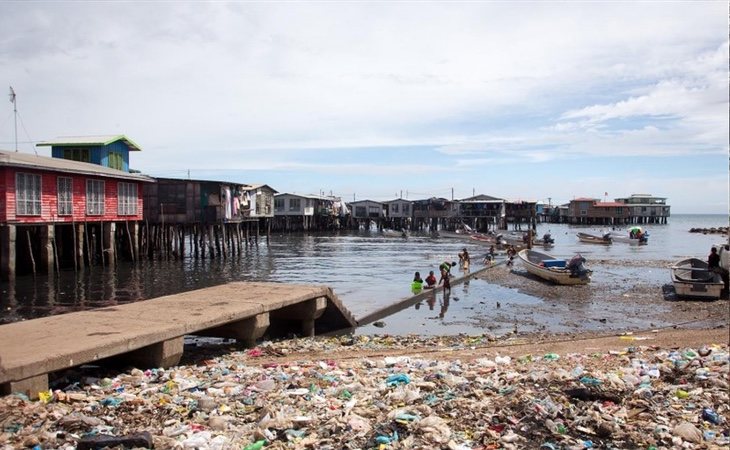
<point x="85" y="205"/>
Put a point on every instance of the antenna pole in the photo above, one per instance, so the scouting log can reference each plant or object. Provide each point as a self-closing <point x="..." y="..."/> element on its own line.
<point x="14" y="99"/>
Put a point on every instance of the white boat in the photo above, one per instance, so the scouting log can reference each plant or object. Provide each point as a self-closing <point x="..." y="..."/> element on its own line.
<point x="558" y="271"/>
<point x="395" y="233"/>
<point x="592" y="239"/>
<point x="692" y="279"/>
<point x="632" y="237"/>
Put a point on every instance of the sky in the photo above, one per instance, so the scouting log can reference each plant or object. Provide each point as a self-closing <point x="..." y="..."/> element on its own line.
<point x="539" y="101"/>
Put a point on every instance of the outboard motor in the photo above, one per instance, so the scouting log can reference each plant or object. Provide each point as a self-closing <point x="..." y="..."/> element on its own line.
<point x="547" y="239"/>
<point x="575" y="265"/>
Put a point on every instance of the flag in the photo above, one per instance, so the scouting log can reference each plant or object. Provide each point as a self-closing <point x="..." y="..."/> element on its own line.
<point x="12" y="95"/>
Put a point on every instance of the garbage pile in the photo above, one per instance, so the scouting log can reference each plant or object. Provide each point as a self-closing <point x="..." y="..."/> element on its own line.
<point x="642" y="397"/>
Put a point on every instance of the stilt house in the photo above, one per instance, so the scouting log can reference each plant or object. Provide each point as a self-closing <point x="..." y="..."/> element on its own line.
<point x="57" y="213"/>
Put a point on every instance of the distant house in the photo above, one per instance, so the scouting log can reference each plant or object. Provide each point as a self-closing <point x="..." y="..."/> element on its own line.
<point x="367" y="209"/>
<point x="590" y="211"/>
<point x="434" y="213"/>
<point x="519" y="211"/>
<point x="645" y="208"/>
<point x="398" y="208"/>
<point x="186" y="202"/>
<point x="56" y="204"/>
<point x="480" y="211"/>
<point x="106" y="150"/>
<point x="297" y="212"/>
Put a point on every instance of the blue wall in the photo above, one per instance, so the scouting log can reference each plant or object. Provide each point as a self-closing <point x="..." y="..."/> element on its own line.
<point x="98" y="154"/>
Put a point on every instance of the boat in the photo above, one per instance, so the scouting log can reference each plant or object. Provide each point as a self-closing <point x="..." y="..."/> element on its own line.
<point x="634" y="236"/>
<point x="395" y="233"/>
<point x="546" y="240"/>
<point x="693" y="279"/>
<point x="592" y="239"/>
<point x="558" y="271"/>
<point x="458" y="234"/>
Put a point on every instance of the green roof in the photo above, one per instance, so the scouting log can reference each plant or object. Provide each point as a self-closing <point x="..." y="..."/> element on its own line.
<point x="75" y="141"/>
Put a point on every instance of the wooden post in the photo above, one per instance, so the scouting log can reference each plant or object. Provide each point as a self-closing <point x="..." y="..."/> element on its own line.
<point x="30" y="249"/>
<point x="7" y="252"/>
<point x="47" y="255"/>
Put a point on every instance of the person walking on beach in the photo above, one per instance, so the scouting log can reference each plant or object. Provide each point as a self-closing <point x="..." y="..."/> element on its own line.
<point x="464" y="260"/>
<point x="446" y="274"/>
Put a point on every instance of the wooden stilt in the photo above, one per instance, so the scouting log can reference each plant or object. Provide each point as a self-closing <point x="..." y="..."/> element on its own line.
<point x="30" y="250"/>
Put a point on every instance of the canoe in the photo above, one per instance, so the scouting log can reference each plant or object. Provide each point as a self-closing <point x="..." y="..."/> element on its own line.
<point x="592" y="239"/>
<point x="692" y="279"/>
<point x="549" y="268"/>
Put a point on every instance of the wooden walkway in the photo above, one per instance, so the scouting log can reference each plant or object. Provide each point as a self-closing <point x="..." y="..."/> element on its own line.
<point x="150" y="333"/>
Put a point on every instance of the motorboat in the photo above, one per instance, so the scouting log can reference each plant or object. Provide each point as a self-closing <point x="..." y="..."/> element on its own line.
<point x="559" y="271"/>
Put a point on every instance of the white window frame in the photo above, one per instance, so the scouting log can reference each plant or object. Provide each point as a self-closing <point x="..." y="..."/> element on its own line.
<point x="65" y="196"/>
<point x="126" y="199"/>
<point x="28" y="190"/>
<point x="94" y="197"/>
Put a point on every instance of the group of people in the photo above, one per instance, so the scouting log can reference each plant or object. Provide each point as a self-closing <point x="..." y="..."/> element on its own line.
<point x="445" y="271"/>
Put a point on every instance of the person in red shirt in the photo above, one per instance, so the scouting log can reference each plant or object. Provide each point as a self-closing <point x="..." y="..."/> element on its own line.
<point x="430" y="280"/>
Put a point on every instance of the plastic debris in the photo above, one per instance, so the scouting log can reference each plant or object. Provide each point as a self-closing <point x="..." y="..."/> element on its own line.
<point x="278" y="397"/>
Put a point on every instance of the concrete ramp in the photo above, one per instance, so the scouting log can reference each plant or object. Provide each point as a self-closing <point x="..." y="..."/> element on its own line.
<point x="150" y="333"/>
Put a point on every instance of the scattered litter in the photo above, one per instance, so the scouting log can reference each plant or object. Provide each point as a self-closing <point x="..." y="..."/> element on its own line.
<point x="641" y="397"/>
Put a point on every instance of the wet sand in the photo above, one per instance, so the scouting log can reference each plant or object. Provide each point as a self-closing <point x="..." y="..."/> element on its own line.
<point x="623" y="295"/>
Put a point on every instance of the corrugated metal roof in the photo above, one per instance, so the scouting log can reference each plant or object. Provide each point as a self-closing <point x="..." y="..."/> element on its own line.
<point x="257" y="186"/>
<point x="104" y="139"/>
<point x="15" y="159"/>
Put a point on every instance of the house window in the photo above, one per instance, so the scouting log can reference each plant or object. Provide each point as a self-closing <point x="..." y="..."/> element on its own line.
<point x="619" y="210"/>
<point x="28" y="194"/>
<point x="406" y="207"/>
<point x="65" y="196"/>
<point x="94" y="197"/>
<point x="583" y="212"/>
<point x="77" y="154"/>
<point x="115" y="160"/>
<point x="295" y="204"/>
<point x="395" y="207"/>
<point x="360" y="211"/>
<point x="279" y="204"/>
<point x="127" y="199"/>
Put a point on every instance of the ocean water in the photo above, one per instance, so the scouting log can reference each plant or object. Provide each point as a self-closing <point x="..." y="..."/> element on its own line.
<point x="366" y="270"/>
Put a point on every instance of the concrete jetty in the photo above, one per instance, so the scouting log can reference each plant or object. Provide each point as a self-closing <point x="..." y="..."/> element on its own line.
<point x="150" y="333"/>
<point x="420" y="296"/>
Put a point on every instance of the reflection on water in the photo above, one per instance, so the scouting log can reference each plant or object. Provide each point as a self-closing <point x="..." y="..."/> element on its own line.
<point x="367" y="271"/>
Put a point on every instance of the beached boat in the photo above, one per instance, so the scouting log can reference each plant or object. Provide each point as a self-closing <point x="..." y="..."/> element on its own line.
<point x="558" y="271"/>
<point x="692" y="279"/>
<point x="458" y="234"/>
<point x="395" y="233"/>
<point x="592" y="239"/>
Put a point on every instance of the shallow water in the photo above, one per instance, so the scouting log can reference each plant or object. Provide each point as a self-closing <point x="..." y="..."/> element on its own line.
<point x="367" y="271"/>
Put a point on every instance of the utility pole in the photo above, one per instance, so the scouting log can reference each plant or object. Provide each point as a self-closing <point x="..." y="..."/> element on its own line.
<point x="14" y="100"/>
<point x="452" y="194"/>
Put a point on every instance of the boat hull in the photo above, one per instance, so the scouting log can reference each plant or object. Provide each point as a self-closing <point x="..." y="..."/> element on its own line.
<point x="692" y="279"/>
<point x="591" y="239"/>
<point x="556" y="275"/>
